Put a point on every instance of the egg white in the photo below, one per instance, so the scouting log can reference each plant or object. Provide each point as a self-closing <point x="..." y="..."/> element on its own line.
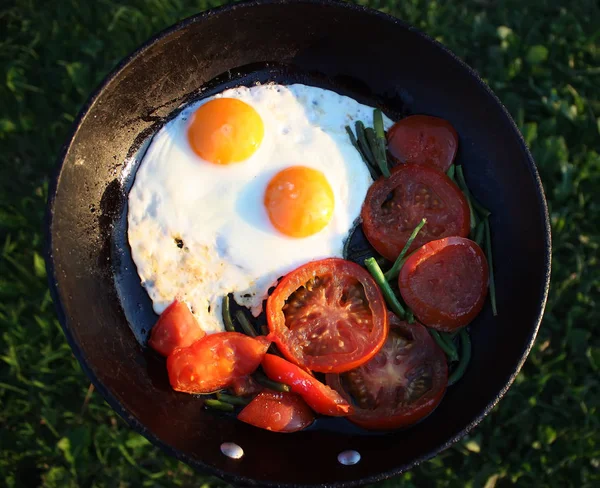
<point x="216" y="212"/>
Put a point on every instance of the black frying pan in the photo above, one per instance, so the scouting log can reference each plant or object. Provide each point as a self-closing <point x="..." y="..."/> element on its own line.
<point x="362" y="53"/>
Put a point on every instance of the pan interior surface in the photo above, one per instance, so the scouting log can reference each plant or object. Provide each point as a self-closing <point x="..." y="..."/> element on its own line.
<point x="107" y="315"/>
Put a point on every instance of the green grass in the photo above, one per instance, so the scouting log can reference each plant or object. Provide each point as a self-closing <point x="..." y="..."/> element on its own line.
<point x="542" y="59"/>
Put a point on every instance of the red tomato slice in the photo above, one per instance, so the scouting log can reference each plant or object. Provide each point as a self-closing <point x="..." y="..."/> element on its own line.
<point x="401" y="385"/>
<point x="327" y="316"/>
<point x="319" y="397"/>
<point x="394" y="206"/>
<point x="176" y="327"/>
<point x="245" y="386"/>
<point x="445" y="282"/>
<point x="422" y="139"/>
<point x="215" y="362"/>
<point x="279" y="412"/>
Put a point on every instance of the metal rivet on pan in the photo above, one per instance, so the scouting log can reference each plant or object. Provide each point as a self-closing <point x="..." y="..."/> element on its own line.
<point x="348" y="458"/>
<point x="232" y="450"/>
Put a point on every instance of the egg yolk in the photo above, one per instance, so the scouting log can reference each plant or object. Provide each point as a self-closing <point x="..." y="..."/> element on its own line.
<point x="299" y="201"/>
<point x="225" y="131"/>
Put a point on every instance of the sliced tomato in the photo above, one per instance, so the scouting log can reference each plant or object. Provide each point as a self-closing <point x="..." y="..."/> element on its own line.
<point x="422" y="139"/>
<point x="245" y="386"/>
<point x="394" y="206"/>
<point x="445" y="282"/>
<point x="401" y="385"/>
<point x="215" y="362"/>
<point x="279" y="412"/>
<point x="319" y="396"/>
<point x="327" y="316"/>
<point x="176" y="327"/>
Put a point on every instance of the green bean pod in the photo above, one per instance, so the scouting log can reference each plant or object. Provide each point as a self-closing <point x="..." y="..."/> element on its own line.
<point x="233" y="400"/>
<point x="465" y="357"/>
<point x="386" y="290"/>
<point x="394" y="271"/>
<point x="490" y="259"/>
<point x="219" y="405"/>
<point x="262" y="379"/>
<point x="368" y="164"/>
<point x="245" y="323"/>
<point x="227" y="321"/>
<point x="462" y="184"/>
<point x="446" y="345"/>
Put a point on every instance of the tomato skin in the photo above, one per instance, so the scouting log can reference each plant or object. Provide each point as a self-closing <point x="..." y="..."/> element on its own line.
<point x="176" y="327"/>
<point x="278" y="412"/>
<point x="422" y="139"/>
<point x="387" y="375"/>
<point x="445" y="283"/>
<point x="348" y="317"/>
<point x="416" y="192"/>
<point x="214" y="362"/>
<point x="317" y="395"/>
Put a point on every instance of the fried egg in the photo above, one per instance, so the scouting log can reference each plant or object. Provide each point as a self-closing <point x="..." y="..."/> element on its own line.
<point x="241" y="188"/>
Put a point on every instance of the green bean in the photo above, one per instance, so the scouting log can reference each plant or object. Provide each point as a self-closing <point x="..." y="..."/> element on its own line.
<point x="219" y="405"/>
<point x="380" y="158"/>
<point x="393" y="272"/>
<point x="450" y="172"/>
<point x="481" y="210"/>
<point x="447" y="345"/>
<point x="233" y="400"/>
<point x="268" y="383"/>
<point x="353" y="139"/>
<point x="229" y="327"/>
<point x="465" y="357"/>
<point x="363" y="143"/>
<point x="410" y="317"/>
<point x="479" y="232"/>
<point x="380" y="133"/>
<point x="264" y="330"/>
<point x="462" y="184"/>
<point x="354" y="142"/>
<point x="388" y="293"/>
<point x="245" y="323"/>
<point x="488" y="252"/>
<point x="372" y="141"/>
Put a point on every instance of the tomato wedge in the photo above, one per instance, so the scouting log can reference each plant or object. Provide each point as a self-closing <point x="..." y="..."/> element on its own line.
<point x="327" y="316"/>
<point x="394" y="206"/>
<point x="445" y="282"/>
<point x="401" y="385"/>
<point x="245" y="386"/>
<point x="422" y="139"/>
<point x="176" y="327"/>
<point x="215" y="362"/>
<point x="279" y="412"/>
<point x="319" y="396"/>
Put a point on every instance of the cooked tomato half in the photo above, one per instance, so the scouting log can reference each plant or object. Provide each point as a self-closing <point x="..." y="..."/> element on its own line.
<point x="394" y="206"/>
<point x="176" y="327"/>
<point x="327" y="316"/>
<point x="319" y="396"/>
<point x="401" y="385"/>
<point x="279" y="412"/>
<point x="215" y="362"/>
<point x="422" y="139"/>
<point x="445" y="282"/>
<point x="245" y="386"/>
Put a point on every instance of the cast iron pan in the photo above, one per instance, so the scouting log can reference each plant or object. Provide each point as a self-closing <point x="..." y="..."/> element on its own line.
<point x="106" y="315"/>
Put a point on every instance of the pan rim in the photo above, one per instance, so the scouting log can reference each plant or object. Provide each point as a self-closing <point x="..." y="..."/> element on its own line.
<point x="133" y="421"/>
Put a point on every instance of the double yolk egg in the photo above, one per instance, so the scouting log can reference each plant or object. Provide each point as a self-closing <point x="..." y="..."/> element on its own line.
<point x="241" y="188"/>
<point x="299" y="200"/>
